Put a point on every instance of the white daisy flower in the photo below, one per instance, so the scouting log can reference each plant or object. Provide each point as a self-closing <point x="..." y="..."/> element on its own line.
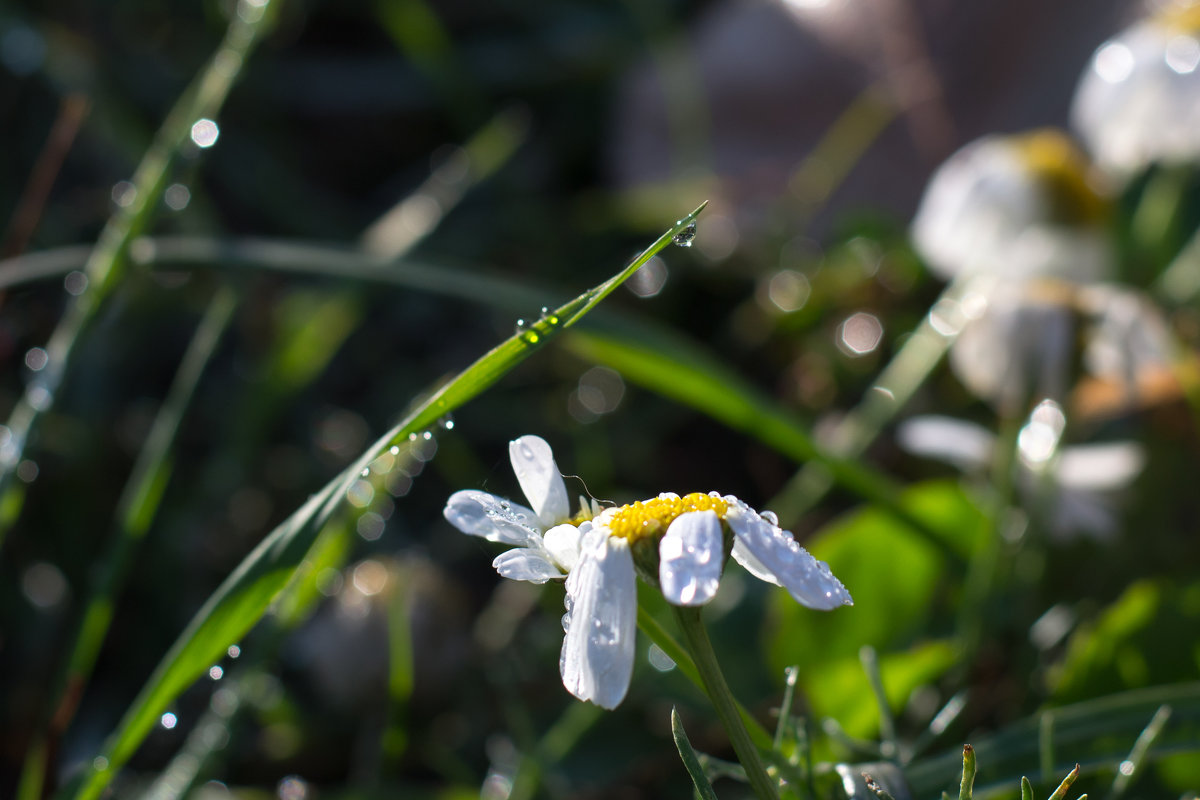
<point x="677" y="543"/>
<point x="1015" y="207"/>
<point x="545" y="540"/>
<point x="680" y="544"/>
<point x="1139" y="100"/>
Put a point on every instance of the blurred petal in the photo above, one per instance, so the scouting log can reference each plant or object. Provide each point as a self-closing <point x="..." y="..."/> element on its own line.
<point x="533" y="461"/>
<point x="690" y="559"/>
<point x="808" y="580"/>
<point x="963" y="444"/>
<point x="562" y="542"/>
<point x="601" y="621"/>
<point x="493" y="518"/>
<point x="526" y="565"/>
<point x="1108" y="466"/>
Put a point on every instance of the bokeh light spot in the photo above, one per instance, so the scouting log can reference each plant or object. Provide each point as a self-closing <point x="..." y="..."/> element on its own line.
<point x="860" y="334"/>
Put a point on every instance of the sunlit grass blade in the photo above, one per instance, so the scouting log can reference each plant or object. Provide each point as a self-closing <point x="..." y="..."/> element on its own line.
<point x="1094" y="732"/>
<point x="1132" y="766"/>
<point x="136" y="509"/>
<point x="248" y="592"/>
<point x="691" y="761"/>
<point x="967" y="785"/>
<point x="106" y="265"/>
<point x="1061" y="792"/>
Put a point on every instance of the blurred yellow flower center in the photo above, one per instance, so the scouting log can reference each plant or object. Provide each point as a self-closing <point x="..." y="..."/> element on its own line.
<point x="1183" y="19"/>
<point x="651" y="517"/>
<point x="1063" y="171"/>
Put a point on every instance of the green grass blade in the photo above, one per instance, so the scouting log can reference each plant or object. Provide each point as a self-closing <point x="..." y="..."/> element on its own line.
<point x="691" y="761"/>
<point x="1095" y="733"/>
<point x="136" y="509"/>
<point x="108" y="261"/>
<point x="967" y="785"/>
<point x="249" y="591"/>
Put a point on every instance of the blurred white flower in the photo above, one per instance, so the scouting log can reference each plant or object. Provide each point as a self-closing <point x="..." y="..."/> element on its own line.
<point x="1139" y="100"/>
<point x="1014" y="207"/>
<point x="1081" y="484"/>
<point x="1032" y="334"/>
<point x="679" y="543"/>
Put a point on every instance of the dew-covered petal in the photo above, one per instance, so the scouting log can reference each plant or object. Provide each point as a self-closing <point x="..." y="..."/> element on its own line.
<point x="690" y="558"/>
<point x="526" y="564"/>
<point x="562" y="542"/>
<point x="493" y="518"/>
<point x="540" y="480"/>
<point x="751" y="564"/>
<point x="601" y="621"/>
<point x="808" y="580"/>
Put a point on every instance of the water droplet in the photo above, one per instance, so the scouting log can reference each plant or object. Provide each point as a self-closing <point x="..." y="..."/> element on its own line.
<point x="216" y="673"/>
<point x="366" y="472"/>
<point x="234" y="651"/>
<point x="427" y="435"/>
<point x="521" y="327"/>
<point x="684" y="237"/>
<point x="771" y="517"/>
<point x="394" y="450"/>
<point x="446" y="423"/>
<point x="168" y="720"/>
<point x="549" y="316"/>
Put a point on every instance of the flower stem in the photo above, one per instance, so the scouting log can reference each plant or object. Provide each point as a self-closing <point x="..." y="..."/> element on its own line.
<point x="696" y="637"/>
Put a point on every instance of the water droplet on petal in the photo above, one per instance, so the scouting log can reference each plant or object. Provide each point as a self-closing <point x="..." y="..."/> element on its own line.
<point x="771" y="517"/>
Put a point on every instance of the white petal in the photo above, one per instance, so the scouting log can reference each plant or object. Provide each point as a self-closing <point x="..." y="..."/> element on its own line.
<point x="526" y="565"/>
<point x="562" y="542"/>
<point x="752" y="564"/>
<point x="493" y="518"/>
<point x="963" y="444"/>
<point x="808" y="580"/>
<point x="539" y="477"/>
<point x="601" y="621"/>
<point x="690" y="558"/>
<point x="1108" y="466"/>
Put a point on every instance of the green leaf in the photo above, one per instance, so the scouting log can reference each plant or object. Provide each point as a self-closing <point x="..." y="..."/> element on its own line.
<point x="248" y="592"/>
<point x="841" y="691"/>
<point x="691" y="761"/>
<point x="893" y="574"/>
<point x="1134" y="642"/>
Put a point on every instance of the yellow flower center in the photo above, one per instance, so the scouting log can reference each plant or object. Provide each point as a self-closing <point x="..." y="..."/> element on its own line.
<point x="651" y="517"/>
<point x="1063" y="171"/>
<point x="1184" y="19"/>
